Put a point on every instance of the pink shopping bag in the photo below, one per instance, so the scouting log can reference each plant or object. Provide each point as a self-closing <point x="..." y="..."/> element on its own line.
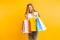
<point x="26" y="26"/>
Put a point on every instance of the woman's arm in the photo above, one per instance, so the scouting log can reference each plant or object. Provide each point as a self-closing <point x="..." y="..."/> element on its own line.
<point x="36" y="14"/>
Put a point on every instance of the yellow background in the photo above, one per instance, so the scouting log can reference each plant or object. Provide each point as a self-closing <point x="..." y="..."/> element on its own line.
<point x="12" y="14"/>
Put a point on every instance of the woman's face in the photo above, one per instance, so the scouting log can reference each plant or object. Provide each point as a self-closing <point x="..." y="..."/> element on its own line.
<point x="30" y="8"/>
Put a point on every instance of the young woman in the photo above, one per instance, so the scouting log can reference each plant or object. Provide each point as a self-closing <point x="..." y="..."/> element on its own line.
<point x="30" y="13"/>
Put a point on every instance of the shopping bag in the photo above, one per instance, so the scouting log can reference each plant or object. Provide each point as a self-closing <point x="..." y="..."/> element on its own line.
<point x="25" y="26"/>
<point x="33" y="24"/>
<point x="40" y="25"/>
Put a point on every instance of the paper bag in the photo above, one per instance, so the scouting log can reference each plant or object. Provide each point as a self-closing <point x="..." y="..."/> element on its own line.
<point x="40" y="25"/>
<point x="25" y="26"/>
<point x="33" y="24"/>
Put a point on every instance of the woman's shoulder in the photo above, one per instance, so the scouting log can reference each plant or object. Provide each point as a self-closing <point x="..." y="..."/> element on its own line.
<point x="36" y="13"/>
<point x="28" y="14"/>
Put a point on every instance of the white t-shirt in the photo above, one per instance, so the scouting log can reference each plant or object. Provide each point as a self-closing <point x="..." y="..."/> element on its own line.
<point x="29" y="15"/>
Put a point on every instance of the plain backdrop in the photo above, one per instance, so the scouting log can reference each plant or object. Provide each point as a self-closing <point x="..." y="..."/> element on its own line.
<point x="12" y="14"/>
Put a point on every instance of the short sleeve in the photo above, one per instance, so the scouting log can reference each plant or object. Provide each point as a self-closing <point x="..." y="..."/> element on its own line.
<point x="36" y="14"/>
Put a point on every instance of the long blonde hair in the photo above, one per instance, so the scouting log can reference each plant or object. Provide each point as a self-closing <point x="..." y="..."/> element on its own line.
<point x="28" y="8"/>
